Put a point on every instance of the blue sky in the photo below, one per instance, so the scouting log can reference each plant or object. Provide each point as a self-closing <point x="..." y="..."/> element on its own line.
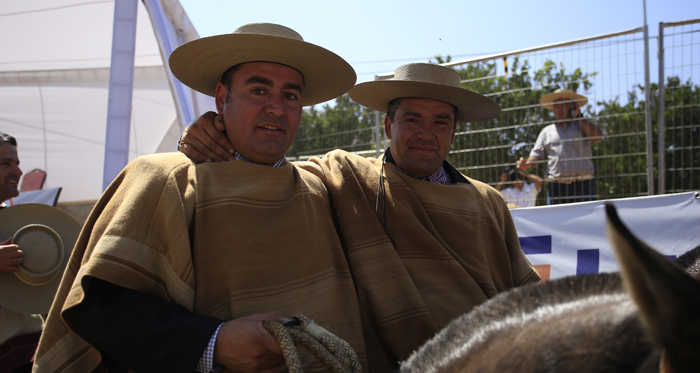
<point x="377" y="36"/>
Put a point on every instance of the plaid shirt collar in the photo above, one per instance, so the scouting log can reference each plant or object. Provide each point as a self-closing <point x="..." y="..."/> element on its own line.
<point x="439" y="177"/>
<point x="239" y="157"/>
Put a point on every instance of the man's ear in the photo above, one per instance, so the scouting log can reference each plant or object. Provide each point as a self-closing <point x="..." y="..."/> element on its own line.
<point x="220" y="98"/>
<point x="454" y="130"/>
<point x="387" y="127"/>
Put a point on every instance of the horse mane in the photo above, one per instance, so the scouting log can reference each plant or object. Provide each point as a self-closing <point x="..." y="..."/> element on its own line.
<point x="533" y="311"/>
<point x="690" y="261"/>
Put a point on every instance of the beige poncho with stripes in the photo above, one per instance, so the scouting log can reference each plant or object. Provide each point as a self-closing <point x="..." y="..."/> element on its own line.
<point x="454" y="247"/>
<point x="222" y="239"/>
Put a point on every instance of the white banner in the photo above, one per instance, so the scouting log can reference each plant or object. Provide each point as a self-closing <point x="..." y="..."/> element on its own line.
<point x="564" y="240"/>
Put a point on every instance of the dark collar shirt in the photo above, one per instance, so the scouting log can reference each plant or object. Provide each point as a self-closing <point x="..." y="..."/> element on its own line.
<point x="446" y="175"/>
<point x="239" y="157"/>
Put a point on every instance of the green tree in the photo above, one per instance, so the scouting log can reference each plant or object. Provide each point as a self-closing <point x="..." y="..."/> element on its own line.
<point x="345" y="125"/>
<point x="682" y="134"/>
<point x="621" y="161"/>
<point x="623" y="171"/>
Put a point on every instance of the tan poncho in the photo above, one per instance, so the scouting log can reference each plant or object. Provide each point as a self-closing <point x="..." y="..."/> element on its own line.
<point x="454" y="247"/>
<point x="222" y="239"/>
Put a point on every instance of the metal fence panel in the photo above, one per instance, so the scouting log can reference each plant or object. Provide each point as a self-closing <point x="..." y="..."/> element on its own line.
<point x="608" y="69"/>
<point x="679" y="136"/>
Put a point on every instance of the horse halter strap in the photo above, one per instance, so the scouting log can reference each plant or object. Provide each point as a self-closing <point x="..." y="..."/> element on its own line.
<point x="334" y="353"/>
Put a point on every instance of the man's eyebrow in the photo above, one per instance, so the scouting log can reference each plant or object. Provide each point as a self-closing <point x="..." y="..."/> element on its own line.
<point x="293" y="86"/>
<point x="270" y="83"/>
<point x="443" y="116"/>
<point x="412" y="114"/>
<point x="259" y="80"/>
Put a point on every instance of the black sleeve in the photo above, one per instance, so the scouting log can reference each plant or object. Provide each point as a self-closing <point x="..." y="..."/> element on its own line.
<point x="140" y="331"/>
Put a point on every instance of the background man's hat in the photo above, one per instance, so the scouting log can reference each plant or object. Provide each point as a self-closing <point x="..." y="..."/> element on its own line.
<point x="423" y="80"/>
<point x="562" y="94"/>
<point x="46" y="235"/>
<point x="200" y="63"/>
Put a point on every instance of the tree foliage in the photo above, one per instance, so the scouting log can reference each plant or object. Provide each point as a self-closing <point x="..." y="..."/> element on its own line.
<point x="682" y="134"/>
<point x="624" y="149"/>
<point x="346" y="125"/>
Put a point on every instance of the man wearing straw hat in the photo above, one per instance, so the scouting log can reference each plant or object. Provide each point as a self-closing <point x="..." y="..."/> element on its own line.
<point x="17" y="329"/>
<point x="180" y="264"/>
<point x="36" y="242"/>
<point x="566" y="146"/>
<point x="424" y="242"/>
<point x="10" y="255"/>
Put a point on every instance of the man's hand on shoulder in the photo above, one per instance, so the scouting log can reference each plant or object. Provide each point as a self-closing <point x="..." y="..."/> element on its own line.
<point x="244" y="345"/>
<point x="204" y="139"/>
<point x="10" y="256"/>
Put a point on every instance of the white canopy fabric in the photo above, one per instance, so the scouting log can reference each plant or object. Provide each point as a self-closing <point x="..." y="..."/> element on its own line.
<point x="54" y="78"/>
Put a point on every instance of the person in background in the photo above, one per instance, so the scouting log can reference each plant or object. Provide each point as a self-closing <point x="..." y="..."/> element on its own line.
<point x="10" y="173"/>
<point x="521" y="194"/>
<point x="566" y="147"/>
<point x="19" y="333"/>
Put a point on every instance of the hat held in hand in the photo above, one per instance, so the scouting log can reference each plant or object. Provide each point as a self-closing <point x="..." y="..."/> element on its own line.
<point x="46" y="235"/>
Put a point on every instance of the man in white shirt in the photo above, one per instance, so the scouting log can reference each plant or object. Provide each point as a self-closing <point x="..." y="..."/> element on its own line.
<point x="565" y="148"/>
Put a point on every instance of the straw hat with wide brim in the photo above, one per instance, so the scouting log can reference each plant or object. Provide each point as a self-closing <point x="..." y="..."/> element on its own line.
<point x="562" y="95"/>
<point x="200" y="63"/>
<point x="46" y="235"/>
<point x="423" y="80"/>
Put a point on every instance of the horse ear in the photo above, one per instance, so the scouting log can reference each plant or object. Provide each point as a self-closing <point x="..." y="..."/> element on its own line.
<point x="667" y="297"/>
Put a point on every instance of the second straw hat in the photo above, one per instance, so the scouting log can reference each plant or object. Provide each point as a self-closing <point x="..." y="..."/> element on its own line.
<point x="423" y="80"/>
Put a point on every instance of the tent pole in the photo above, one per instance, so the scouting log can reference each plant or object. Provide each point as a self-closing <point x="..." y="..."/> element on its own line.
<point x="121" y="86"/>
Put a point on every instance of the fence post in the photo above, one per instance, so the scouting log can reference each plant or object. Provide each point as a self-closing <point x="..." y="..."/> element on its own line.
<point x="647" y="112"/>
<point x="662" y="112"/>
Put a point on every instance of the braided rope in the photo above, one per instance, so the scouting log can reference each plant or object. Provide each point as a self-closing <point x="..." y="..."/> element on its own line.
<point x="334" y="353"/>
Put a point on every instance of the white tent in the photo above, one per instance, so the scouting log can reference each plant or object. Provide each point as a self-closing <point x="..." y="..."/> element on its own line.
<point x="54" y="80"/>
